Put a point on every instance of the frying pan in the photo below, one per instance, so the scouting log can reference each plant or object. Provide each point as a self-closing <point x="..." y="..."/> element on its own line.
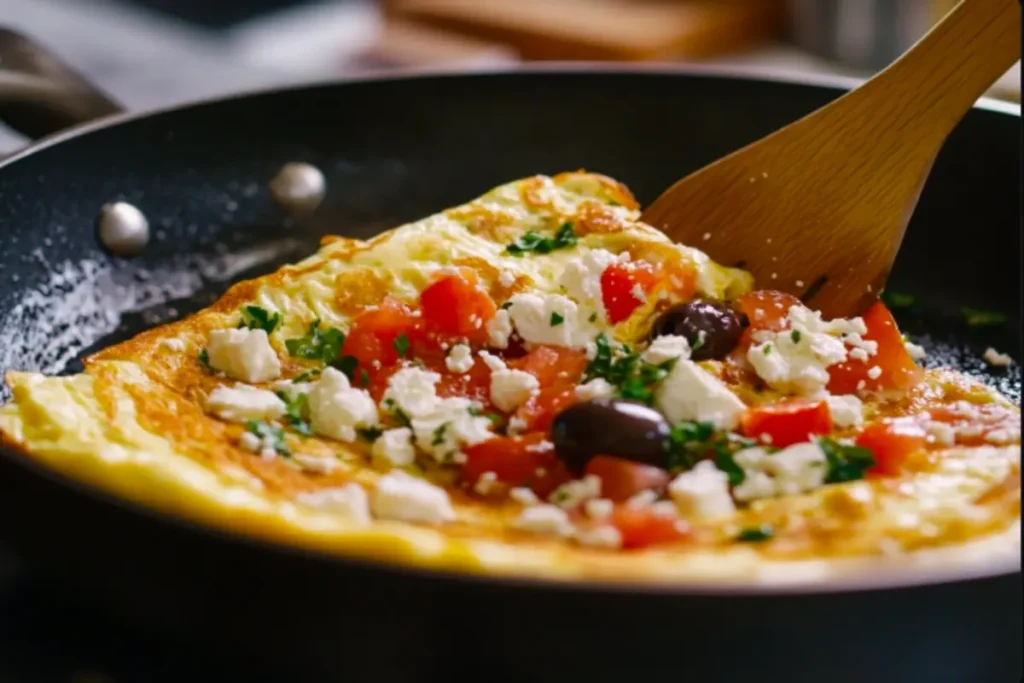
<point x="395" y="149"/>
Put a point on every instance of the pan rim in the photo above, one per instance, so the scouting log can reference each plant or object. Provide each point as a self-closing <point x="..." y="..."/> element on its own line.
<point x="721" y="72"/>
<point x="893" y="578"/>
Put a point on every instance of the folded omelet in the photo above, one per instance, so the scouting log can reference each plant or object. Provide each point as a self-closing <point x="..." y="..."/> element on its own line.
<point x="537" y="383"/>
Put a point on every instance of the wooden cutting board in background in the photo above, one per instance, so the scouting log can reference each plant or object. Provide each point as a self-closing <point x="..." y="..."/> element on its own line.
<point x="618" y="30"/>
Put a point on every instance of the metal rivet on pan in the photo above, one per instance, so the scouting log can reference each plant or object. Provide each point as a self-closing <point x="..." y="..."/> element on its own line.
<point x="298" y="187"/>
<point x="123" y="229"/>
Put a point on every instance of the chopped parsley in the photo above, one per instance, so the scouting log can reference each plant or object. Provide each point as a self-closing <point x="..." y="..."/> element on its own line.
<point x="370" y="434"/>
<point x="307" y="375"/>
<point x="726" y="463"/>
<point x="767" y="349"/>
<point x="557" y="319"/>
<point x="978" y="318"/>
<point x="593" y="317"/>
<point x="633" y="378"/>
<point x="318" y="344"/>
<point x="256" y="318"/>
<point x="898" y="300"/>
<point x="346" y="364"/>
<point x="507" y="305"/>
<point x="397" y="413"/>
<point x="296" y="405"/>
<point x="364" y="378"/>
<point x="204" y="360"/>
<point x="795" y="336"/>
<point x="401" y="345"/>
<point x="564" y="238"/>
<point x="845" y="462"/>
<point x="439" y="435"/>
<point x="699" y="341"/>
<point x="270" y="434"/>
<point x="691" y="442"/>
<point x="755" y="534"/>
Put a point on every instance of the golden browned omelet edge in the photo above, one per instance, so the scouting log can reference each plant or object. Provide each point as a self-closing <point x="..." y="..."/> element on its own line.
<point x="133" y="425"/>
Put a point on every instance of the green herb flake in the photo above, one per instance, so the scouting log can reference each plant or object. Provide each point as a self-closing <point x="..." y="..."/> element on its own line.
<point x="557" y="319"/>
<point x="346" y="364"/>
<point x="438" y="437"/>
<point x="691" y="442"/>
<point x="845" y="462"/>
<point x="898" y="299"/>
<point x="534" y="241"/>
<point x="978" y="318"/>
<point x="256" y="318"/>
<point x="699" y="342"/>
<point x="755" y="534"/>
<point x="271" y="433"/>
<point x="795" y="336"/>
<point x="296" y="406"/>
<point x="507" y="305"/>
<point x="767" y="349"/>
<point x="204" y="360"/>
<point x="319" y="344"/>
<point x="401" y="345"/>
<point x="307" y="375"/>
<point x="592" y="318"/>
<point x="726" y="463"/>
<point x="370" y="434"/>
<point x="364" y="378"/>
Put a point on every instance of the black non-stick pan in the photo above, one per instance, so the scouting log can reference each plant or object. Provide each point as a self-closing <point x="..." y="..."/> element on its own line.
<point x="400" y="148"/>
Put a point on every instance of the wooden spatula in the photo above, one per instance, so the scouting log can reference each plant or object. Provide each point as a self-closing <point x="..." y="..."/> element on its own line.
<point x="819" y="208"/>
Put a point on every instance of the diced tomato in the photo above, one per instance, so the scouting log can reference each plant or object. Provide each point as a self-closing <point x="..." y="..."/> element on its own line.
<point x="788" y="422"/>
<point x="371" y="339"/>
<point x="619" y="283"/>
<point x="641" y="527"/>
<point x="474" y="384"/>
<point x="457" y="305"/>
<point x="538" y="412"/>
<point x="552" y="365"/>
<point x="621" y="479"/>
<point x="891" y="441"/>
<point x="528" y="460"/>
<point x="896" y="369"/>
<point x="767" y="309"/>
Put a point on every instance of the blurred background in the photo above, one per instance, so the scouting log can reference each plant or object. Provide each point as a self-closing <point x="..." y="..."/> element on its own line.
<point x="150" y="53"/>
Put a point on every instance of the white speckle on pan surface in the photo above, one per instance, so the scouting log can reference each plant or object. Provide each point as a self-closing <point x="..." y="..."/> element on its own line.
<point x="997" y="359"/>
<point x="82" y="302"/>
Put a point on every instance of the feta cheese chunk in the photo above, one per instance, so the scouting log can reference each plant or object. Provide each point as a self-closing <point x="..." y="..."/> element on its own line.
<point x="440" y="426"/>
<point x="594" y="389"/>
<point x="702" y="492"/>
<point x="581" y="279"/>
<point x="847" y="411"/>
<point x="394" y="448"/>
<point x="242" y="403"/>
<point x="337" y="409"/>
<point x="545" y="519"/>
<point x="795" y="469"/>
<point x="243" y="354"/>
<point x="691" y="394"/>
<point x="551" y="319"/>
<point x="350" y="500"/>
<point x="602" y="536"/>
<point x="666" y="348"/>
<point x="402" y="497"/>
<point x="570" y="494"/>
<point x="499" y="329"/>
<point x="796" y="361"/>
<point x="509" y="388"/>
<point x="460" y="359"/>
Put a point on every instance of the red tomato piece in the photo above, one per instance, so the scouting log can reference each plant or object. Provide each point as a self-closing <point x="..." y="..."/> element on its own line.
<point x="641" y="527"/>
<point x="538" y="412"/>
<point x="622" y="479"/>
<point x="891" y="441"/>
<point x="528" y="460"/>
<point x="371" y="339"/>
<point x="767" y="309"/>
<point x="474" y="384"/>
<point x="456" y="305"/>
<point x="787" y="422"/>
<point x="619" y="283"/>
<point x="896" y="369"/>
<point x="552" y="365"/>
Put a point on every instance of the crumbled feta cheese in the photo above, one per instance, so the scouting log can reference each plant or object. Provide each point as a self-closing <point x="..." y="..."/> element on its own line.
<point x="524" y="496"/>
<point x="847" y="411"/>
<point x="440" y="426"/>
<point x="460" y="359"/>
<point x="598" y="508"/>
<point x="486" y="483"/>
<point x="667" y="348"/>
<point x="595" y="389"/>
<point x="250" y="442"/>
<point x="642" y="499"/>
<point x="173" y="344"/>
<point x="874" y="372"/>
<point x="243" y="354"/>
<point x="516" y="426"/>
<point x="994" y="358"/>
<point x="402" y="497"/>
<point x="602" y="536"/>
<point x="337" y="409"/>
<point x="394" y="448"/>
<point x="350" y="500"/>
<point x="915" y="351"/>
<point x="570" y="494"/>
<point x="532" y="314"/>
<point x="292" y="389"/>
<point x="691" y="394"/>
<point x="242" y="403"/>
<point x="509" y="388"/>
<point x="544" y="519"/>
<point x="795" y="361"/>
<point x="506" y="278"/>
<point x="795" y="469"/>
<point x="702" y="492"/>
<point x="499" y="329"/>
<point x="638" y="292"/>
<point x="941" y="433"/>
<point x="581" y="278"/>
